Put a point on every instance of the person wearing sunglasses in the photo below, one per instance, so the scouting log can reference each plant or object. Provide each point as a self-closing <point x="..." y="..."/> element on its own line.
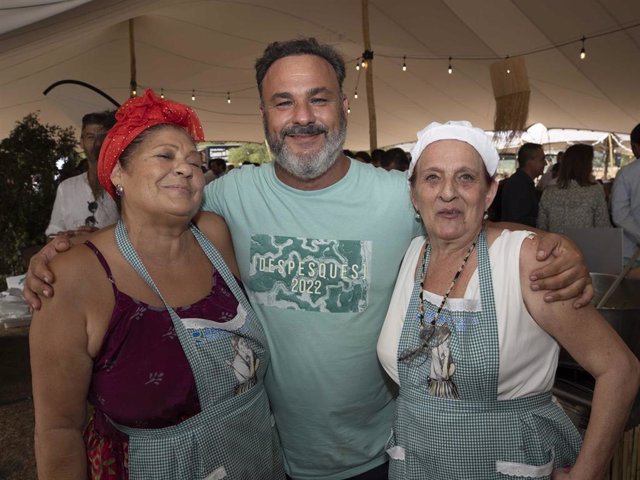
<point x="81" y="205"/>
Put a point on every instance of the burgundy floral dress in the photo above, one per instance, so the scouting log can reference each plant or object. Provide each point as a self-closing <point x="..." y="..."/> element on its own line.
<point x="141" y="377"/>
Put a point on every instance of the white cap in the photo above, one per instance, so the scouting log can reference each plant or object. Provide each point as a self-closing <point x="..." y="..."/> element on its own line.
<point x="463" y="131"/>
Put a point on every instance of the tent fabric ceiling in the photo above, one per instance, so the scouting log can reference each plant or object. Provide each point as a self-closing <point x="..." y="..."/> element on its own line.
<point x="210" y="46"/>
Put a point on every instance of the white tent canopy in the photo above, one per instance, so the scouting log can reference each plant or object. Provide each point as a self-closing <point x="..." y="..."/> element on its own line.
<point x="208" y="47"/>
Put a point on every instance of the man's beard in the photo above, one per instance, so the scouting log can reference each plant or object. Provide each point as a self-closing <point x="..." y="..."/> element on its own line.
<point x="307" y="166"/>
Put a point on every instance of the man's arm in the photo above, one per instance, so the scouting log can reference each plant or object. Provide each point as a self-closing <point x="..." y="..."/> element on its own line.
<point x="566" y="277"/>
<point x="621" y="208"/>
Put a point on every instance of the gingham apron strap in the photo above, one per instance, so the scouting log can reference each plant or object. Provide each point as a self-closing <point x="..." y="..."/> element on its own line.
<point x="488" y="312"/>
<point x="216" y="259"/>
<point x="130" y="254"/>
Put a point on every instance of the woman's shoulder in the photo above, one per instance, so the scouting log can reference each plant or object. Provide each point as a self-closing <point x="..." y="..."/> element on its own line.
<point x="67" y="266"/>
<point x="506" y="244"/>
<point x="213" y="226"/>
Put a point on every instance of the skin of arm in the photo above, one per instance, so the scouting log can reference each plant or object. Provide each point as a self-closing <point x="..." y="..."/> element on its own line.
<point x="595" y="345"/>
<point x="566" y="276"/>
<point x="61" y="366"/>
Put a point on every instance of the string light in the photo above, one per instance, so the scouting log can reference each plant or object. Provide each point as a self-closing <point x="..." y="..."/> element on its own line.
<point x="348" y="110"/>
<point x="404" y="63"/>
<point x="450" y="69"/>
<point x="162" y="93"/>
<point x="358" y="64"/>
<point x="134" y="92"/>
<point x="366" y="56"/>
<point x="193" y="95"/>
<point x="355" y="94"/>
<point x="508" y="69"/>
<point x="554" y="46"/>
<point x="228" y="97"/>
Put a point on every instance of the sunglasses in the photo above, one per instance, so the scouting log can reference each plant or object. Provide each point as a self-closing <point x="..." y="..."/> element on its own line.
<point x="91" y="221"/>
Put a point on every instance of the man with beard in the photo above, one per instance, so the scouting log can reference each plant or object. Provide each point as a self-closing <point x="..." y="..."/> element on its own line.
<point x="319" y="239"/>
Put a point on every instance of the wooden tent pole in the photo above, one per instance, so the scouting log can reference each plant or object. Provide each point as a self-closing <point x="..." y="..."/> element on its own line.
<point x="610" y="160"/>
<point x="132" y="56"/>
<point x="371" y="104"/>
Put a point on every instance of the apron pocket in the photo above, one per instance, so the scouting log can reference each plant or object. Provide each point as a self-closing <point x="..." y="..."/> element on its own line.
<point x="523" y="470"/>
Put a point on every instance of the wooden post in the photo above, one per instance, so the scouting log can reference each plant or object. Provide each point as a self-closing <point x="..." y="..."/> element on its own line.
<point x="371" y="104"/>
<point x="133" y="84"/>
<point x="609" y="160"/>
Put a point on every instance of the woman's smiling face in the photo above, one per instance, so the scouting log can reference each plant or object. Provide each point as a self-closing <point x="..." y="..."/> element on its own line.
<point x="163" y="173"/>
<point x="450" y="190"/>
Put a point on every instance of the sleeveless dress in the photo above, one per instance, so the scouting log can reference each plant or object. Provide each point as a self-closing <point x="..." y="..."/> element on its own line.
<point x="179" y="394"/>
<point x="477" y="436"/>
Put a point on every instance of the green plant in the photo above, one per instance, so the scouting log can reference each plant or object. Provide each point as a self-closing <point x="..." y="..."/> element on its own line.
<point x="31" y="159"/>
<point x="252" y="152"/>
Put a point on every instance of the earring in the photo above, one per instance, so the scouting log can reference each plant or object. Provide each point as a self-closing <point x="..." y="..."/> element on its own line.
<point x="119" y="190"/>
<point x="417" y="216"/>
<point x="485" y="217"/>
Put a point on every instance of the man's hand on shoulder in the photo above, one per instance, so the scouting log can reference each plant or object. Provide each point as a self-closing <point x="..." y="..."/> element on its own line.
<point x="39" y="278"/>
<point x="566" y="276"/>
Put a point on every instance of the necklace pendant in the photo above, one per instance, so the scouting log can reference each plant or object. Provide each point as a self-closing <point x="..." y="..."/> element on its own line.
<point x="426" y="332"/>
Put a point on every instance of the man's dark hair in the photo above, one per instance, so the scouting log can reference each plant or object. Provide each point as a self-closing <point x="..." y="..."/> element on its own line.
<point x="222" y="165"/>
<point x="527" y="152"/>
<point x="395" y="158"/>
<point x="635" y="134"/>
<point x="107" y="119"/>
<point x="303" y="46"/>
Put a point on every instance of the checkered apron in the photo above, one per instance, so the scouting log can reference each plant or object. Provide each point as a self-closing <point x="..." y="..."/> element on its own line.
<point x="233" y="437"/>
<point x="475" y="437"/>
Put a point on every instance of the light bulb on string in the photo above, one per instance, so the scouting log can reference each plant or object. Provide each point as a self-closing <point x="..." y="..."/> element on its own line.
<point x="404" y="64"/>
<point x="193" y="95"/>
<point x="228" y="97"/>
<point x="363" y="64"/>
<point x="355" y="94"/>
<point x="583" y="53"/>
<point x="348" y="110"/>
<point x="508" y="69"/>
<point x="450" y="69"/>
<point x="358" y="64"/>
<point x="134" y="92"/>
<point x="162" y="93"/>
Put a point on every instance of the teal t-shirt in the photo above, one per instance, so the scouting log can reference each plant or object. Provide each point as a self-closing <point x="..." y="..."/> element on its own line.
<point x="319" y="268"/>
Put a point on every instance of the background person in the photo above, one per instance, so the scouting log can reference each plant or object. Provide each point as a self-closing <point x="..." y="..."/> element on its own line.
<point x="576" y="200"/>
<point x="81" y="205"/>
<point x="319" y="269"/>
<point x="177" y="391"/>
<point x="475" y="351"/>
<point x="519" y="197"/>
<point x="625" y="203"/>
<point x="217" y="168"/>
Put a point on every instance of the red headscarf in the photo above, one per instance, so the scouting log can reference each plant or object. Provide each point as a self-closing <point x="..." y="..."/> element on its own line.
<point x="135" y="116"/>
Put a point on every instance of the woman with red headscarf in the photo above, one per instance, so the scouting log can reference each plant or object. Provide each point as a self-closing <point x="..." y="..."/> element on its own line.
<point x="149" y="325"/>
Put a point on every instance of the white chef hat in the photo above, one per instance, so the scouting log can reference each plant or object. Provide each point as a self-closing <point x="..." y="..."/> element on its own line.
<point x="456" y="130"/>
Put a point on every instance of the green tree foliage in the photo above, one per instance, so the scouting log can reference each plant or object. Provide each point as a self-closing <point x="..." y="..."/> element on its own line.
<point x="252" y="152"/>
<point x="28" y="170"/>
